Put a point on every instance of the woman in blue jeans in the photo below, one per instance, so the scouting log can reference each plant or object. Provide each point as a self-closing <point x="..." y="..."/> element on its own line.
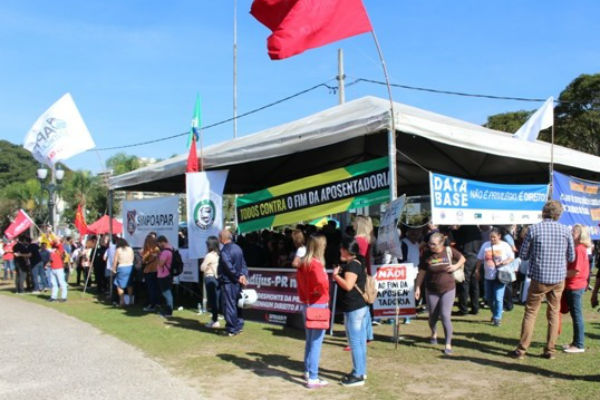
<point x="209" y="268"/>
<point x="494" y="254"/>
<point x="348" y="277"/>
<point x="313" y="292"/>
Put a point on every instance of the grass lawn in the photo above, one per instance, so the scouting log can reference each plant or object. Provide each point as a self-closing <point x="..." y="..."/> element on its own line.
<point x="266" y="361"/>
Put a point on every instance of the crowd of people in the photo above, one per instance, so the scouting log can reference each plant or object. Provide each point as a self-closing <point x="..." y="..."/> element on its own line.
<point x="475" y="266"/>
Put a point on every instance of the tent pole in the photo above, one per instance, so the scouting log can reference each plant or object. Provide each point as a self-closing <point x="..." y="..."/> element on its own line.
<point x="551" y="166"/>
<point x="110" y="233"/>
<point x="340" y="77"/>
<point x="93" y="256"/>
<point x="392" y="127"/>
<point x="235" y="217"/>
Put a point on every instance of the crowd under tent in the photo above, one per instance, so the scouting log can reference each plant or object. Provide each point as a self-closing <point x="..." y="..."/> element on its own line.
<point x="357" y="131"/>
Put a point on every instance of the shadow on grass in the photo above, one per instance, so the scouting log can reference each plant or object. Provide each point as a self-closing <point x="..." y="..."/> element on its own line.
<point x="193" y="325"/>
<point x="529" y="369"/>
<point x="266" y="365"/>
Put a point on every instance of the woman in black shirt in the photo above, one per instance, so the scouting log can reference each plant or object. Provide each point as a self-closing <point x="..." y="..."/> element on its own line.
<point x="348" y="277"/>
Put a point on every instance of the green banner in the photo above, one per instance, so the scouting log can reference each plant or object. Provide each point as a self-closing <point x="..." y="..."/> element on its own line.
<point x="338" y="190"/>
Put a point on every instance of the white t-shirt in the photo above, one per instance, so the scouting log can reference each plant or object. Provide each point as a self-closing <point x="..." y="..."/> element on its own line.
<point x="502" y="252"/>
<point x="301" y="251"/>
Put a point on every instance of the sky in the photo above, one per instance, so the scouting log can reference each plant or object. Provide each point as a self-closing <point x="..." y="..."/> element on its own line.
<point x="134" y="67"/>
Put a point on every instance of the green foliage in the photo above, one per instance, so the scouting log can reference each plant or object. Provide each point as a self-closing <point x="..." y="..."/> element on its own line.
<point x="508" y="122"/>
<point x="121" y="163"/>
<point x="578" y="115"/>
<point x="16" y="164"/>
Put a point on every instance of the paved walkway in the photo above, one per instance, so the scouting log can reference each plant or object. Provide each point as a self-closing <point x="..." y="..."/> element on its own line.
<point x="45" y="354"/>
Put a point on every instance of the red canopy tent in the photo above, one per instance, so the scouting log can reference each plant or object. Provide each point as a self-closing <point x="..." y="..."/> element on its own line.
<point x="102" y="226"/>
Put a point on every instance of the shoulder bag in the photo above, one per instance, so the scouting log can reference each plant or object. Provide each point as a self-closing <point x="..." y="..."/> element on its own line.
<point x="458" y="274"/>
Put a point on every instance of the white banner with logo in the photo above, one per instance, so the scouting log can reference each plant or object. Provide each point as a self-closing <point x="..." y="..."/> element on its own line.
<point x="159" y="215"/>
<point x="59" y="133"/>
<point x="204" y="208"/>
<point x="388" y="238"/>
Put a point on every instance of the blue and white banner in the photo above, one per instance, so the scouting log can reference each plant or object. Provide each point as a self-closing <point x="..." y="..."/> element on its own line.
<point x="159" y="215"/>
<point x="580" y="200"/>
<point x="466" y="202"/>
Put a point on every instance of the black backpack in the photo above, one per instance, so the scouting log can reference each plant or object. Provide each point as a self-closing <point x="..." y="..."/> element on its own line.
<point x="176" y="263"/>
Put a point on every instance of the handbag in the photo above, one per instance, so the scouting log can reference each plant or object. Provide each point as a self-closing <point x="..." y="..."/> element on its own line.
<point x="317" y="318"/>
<point x="458" y="274"/>
<point x="505" y="273"/>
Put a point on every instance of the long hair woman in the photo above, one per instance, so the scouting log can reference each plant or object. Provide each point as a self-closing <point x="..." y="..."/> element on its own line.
<point x="351" y="278"/>
<point x="575" y="285"/>
<point x="313" y="291"/>
<point x="150" y="253"/>
<point x="122" y="267"/>
<point x="209" y="267"/>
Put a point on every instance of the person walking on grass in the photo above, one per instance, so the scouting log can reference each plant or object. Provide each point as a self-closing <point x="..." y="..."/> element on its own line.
<point x="313" y="291"/>
<point x="436" y="268"/>
<point x="575" y="285"/>
<point x="548" y="246"/>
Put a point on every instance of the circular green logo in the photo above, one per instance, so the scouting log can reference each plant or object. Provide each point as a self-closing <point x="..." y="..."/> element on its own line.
<point x="204" y="214"/>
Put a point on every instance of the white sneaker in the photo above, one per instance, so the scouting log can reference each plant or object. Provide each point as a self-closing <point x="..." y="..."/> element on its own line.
<point x="213" y="325"/>
<point x="574" y="349"/>
<point x="316" y="383"/>
<point x="306" y="376"/>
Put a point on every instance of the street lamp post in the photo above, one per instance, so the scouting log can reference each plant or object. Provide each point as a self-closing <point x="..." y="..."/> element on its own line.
<point x="56" y="175"/>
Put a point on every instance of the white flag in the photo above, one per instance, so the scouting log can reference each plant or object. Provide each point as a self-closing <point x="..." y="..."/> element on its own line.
<point x="541" y="119"/>
<point x="204" y="208"/>
<point x="59" y="133"/>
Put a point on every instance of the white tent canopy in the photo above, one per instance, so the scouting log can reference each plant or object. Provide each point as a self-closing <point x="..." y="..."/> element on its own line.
<point x="356" y="131"/>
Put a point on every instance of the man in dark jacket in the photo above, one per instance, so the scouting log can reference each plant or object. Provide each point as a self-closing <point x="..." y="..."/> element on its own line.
<point x="233" y="272"/>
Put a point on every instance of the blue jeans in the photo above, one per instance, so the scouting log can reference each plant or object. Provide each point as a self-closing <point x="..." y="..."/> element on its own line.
<point x="9" y="266"/>
<point x="369" y="326"/>
<point x="576" y="310"/>
<point x="58" y="280"/>
<point x="212" y="296"/>
<point x="165" y="289"/>
<point x="312" y="348"/>
<point x="37" y="277"/>
<point x="494" y="292"/>
<point x="357" y="337"/>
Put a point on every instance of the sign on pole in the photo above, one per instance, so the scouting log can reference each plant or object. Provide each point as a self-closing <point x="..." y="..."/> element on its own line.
<point x="388" y="238"/>
<point x="580" y="200"/>
<point x="395" y="288"/>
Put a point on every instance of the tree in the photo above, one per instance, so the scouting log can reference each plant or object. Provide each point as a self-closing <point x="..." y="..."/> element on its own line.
<point x="16" y="164"/>
<point x="26" y="195"/>
<point x="121" y="163"/>
<point x="81" y="188"/>
<point x="578" y="115"/>
<point x="508" y="122"/>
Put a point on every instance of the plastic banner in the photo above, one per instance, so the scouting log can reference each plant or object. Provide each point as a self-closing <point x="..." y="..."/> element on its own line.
<point x="159" y="215"/>
<point x="467" y="202"/>
<point x="580" y="200"/>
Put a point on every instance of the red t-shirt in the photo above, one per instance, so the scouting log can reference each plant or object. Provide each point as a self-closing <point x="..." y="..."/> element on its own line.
<point x="313" y="283"/>
<point x="56" y="259"/>
<point x="582" y="266"/>
<point x="8" y="252"/>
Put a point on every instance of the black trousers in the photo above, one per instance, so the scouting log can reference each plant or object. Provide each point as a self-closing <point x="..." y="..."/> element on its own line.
<point x="468" y="291"/>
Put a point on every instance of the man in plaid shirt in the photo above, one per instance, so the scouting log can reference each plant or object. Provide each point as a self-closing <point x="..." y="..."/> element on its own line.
<point x="549" y="247"/>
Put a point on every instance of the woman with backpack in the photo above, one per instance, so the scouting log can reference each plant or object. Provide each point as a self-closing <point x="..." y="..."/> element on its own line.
<point x="150" y="253"/>
<point x="351" y="278"/>
<point x="313" y="291"/>
<point x="435" y="269"/>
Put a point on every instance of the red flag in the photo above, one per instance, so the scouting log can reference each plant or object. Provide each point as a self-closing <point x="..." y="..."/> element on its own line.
<point x="192" y="161"/>
<point x="21" y="223"/>
<point x="80" y="221"/>
<point x="299" y="25"/>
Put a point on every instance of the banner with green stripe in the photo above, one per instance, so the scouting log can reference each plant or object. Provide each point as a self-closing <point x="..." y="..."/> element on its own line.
<point x="338" y="190"/>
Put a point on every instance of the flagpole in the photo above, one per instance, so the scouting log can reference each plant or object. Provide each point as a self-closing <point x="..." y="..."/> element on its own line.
<point x="235" y="218"/>
<point x="551" y="166"/>
<point x="392" y="128"/>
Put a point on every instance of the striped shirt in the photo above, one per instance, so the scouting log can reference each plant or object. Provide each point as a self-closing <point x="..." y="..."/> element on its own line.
<point x="548" y="246"/>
